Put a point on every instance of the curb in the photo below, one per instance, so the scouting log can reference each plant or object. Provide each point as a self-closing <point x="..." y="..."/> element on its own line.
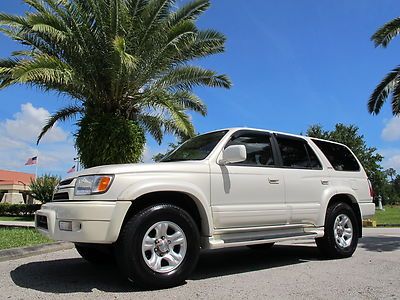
<point x="17" y="225"/>
<point x="16" y="253"/>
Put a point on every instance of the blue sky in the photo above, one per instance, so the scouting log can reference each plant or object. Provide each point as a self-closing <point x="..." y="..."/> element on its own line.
<point x="292" y="63"/>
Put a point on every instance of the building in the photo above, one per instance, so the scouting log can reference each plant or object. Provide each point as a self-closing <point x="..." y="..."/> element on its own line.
<point x="14" y="187"/>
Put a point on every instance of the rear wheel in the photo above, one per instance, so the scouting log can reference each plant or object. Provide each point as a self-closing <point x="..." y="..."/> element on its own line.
<point x="158" y="247"/>
<point x="341" y="232"/>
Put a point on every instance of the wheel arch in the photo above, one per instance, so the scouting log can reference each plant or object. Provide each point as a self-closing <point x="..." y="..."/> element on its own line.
<point x="352" y="202"/>
<point x="183" y="200"/>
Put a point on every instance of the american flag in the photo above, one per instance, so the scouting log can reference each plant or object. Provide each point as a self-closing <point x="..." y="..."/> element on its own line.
<point x="31" y="161"/>
<point x="71" y="170"/>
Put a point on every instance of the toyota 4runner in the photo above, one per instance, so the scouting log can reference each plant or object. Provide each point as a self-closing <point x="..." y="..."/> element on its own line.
<point x="225" y="188"/>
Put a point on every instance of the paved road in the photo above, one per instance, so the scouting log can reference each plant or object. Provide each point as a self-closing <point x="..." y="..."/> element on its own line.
<point x="287" y="271"/>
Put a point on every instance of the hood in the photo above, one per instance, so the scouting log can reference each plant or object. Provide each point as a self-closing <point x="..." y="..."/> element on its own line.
<point x="177" y="166"/>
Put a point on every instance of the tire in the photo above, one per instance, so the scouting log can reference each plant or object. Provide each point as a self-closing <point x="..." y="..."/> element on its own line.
<point x="151" y="261"/>
<point x="95" y="254"/>
<point x="261" y="247"/>
<point x="341" y="232"/>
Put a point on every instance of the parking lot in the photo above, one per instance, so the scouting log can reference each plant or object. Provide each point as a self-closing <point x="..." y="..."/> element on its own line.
<point x="290" y="270"/>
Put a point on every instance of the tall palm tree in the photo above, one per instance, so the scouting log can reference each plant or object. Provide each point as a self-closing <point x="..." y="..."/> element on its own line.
<point x="125" y="64"/>
<point x="390" y="84"/>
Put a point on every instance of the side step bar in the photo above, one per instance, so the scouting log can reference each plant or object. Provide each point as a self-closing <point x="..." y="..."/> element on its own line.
<point x="231" y="240"/>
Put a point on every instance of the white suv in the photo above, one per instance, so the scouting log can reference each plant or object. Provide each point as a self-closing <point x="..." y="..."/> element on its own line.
<point x="225" y="188"/>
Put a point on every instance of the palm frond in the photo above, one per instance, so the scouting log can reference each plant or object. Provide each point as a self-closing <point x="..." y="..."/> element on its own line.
<point x="382" y="91"/>
<point x="190" y="11"/>
<point x="189" y="101"/>
<point x="186" y="77"/>
<point x="386" y="33"/>
<point x="153" y="125"/>
<point x="154" y="12"/>
<point x="61" y="115"/>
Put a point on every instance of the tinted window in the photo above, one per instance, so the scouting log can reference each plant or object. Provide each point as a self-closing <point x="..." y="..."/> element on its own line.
<point x="339" y="156"/>
<point x="258" y="148"/>
<point x="297" y="154"/>
<point x="197" y="148"/>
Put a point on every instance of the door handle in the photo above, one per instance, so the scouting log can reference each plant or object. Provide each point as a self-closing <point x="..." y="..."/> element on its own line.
<point x="324" y="182"/>
<point x="273" y="180"/>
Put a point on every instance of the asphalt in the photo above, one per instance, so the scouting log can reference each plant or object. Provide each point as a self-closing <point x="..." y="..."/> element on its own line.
<point x="287" y="271"/>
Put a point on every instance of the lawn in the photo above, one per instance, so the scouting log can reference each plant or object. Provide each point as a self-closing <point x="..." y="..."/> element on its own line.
<point x="20" y="237"/>
<point x="391" y="215"/>
<point x="20" y="218"/>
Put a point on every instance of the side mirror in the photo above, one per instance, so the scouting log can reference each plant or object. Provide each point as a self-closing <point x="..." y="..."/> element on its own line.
<point x="233" y="154"/>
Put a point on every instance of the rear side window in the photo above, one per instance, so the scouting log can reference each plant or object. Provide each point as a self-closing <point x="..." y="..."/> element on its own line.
<point x="297" y="154"/>
<point x="339" y="156"/>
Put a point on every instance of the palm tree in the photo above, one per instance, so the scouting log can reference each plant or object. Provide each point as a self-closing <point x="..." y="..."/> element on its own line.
<point x="390" y="84"/>
<point x="125" y="64"/>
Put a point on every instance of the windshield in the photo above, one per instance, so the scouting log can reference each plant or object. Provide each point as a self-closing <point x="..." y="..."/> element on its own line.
<point x="197" y="148"/>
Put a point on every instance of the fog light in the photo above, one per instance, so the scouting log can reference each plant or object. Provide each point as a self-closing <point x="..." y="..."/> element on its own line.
<point x="66" y="225"/>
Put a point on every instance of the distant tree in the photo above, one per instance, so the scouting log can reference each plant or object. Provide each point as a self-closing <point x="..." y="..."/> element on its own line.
<point x="171" y="147"/>
<point x="369" y="158"/>
<point x="390" y="84"/>
<point x="391" y="173"/>
<point x="42" y="188"/>
<point x="128" y="65"/>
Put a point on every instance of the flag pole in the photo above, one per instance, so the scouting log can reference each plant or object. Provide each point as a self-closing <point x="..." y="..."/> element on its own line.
<point x="37" y="162"/>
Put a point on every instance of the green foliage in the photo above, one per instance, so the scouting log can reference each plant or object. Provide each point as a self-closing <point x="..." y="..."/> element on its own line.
<point x="114" y="139"/>
<point x="392" y="187"/>
<point x="369" y="158"/>
<point x="42" y="188"/>
<point x="127" y="58"/>
<point x="8" y="209"/>
<point x="390" y="83"/>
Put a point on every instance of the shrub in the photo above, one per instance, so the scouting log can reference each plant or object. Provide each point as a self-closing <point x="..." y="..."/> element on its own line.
<point x="42" y="188"/>
<point x="8" y="209"/>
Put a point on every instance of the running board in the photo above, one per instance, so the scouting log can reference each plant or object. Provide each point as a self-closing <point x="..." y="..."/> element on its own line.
<point x="225" y="241"/>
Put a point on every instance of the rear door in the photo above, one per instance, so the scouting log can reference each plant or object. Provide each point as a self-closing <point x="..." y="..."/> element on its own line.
<point x="305" y="179"/>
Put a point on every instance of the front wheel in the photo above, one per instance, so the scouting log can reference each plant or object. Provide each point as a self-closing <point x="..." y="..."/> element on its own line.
<point x="341" y="232"/>
<point x="158" y="247"/>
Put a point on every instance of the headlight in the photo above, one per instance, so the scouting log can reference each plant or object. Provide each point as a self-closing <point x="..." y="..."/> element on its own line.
<point x="93" y="184"/>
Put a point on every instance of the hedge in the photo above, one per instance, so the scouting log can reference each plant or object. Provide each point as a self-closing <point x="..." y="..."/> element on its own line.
<point x="8" y="209"/>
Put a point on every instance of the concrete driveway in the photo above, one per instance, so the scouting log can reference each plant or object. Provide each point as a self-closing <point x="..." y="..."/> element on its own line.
<point x="290" y="270"/>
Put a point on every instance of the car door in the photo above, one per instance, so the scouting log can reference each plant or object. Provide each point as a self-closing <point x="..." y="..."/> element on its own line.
<point x="249" y="193"/>
<point x="305" y="179"/>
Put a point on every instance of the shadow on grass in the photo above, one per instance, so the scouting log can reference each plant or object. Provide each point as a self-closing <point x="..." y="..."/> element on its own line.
<point x="75" y="275"/>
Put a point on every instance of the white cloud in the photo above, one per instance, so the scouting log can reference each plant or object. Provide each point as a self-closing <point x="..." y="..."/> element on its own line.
<point x="391" y="158"/>
<point x="391" y="132"/>
<point x="18" y="142"/>
<point x="27" y="125"/>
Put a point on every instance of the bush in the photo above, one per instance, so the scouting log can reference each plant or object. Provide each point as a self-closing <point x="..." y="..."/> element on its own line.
<point x="8" y="209"/>
<point x="42" y="188"/>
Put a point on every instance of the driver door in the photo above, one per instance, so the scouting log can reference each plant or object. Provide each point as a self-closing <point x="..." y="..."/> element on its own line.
<point x="249" y="193"/>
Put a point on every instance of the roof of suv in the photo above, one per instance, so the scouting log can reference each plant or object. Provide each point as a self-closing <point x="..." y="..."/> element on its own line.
<point x="277" y="132"/>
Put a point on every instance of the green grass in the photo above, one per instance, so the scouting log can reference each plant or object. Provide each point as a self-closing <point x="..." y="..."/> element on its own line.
<point x="391" y="215"/>
<point x="20" y="237"/>
<point x="20" y="218"/>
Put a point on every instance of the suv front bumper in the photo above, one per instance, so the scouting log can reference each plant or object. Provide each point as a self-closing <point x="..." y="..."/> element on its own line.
<point x="87" y="221"/>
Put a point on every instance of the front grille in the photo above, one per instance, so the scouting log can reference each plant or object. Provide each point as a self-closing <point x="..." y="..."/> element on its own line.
<point x="66" y="182"/>
<point x="61" y="196"/>
<point x="41" y="222"/>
